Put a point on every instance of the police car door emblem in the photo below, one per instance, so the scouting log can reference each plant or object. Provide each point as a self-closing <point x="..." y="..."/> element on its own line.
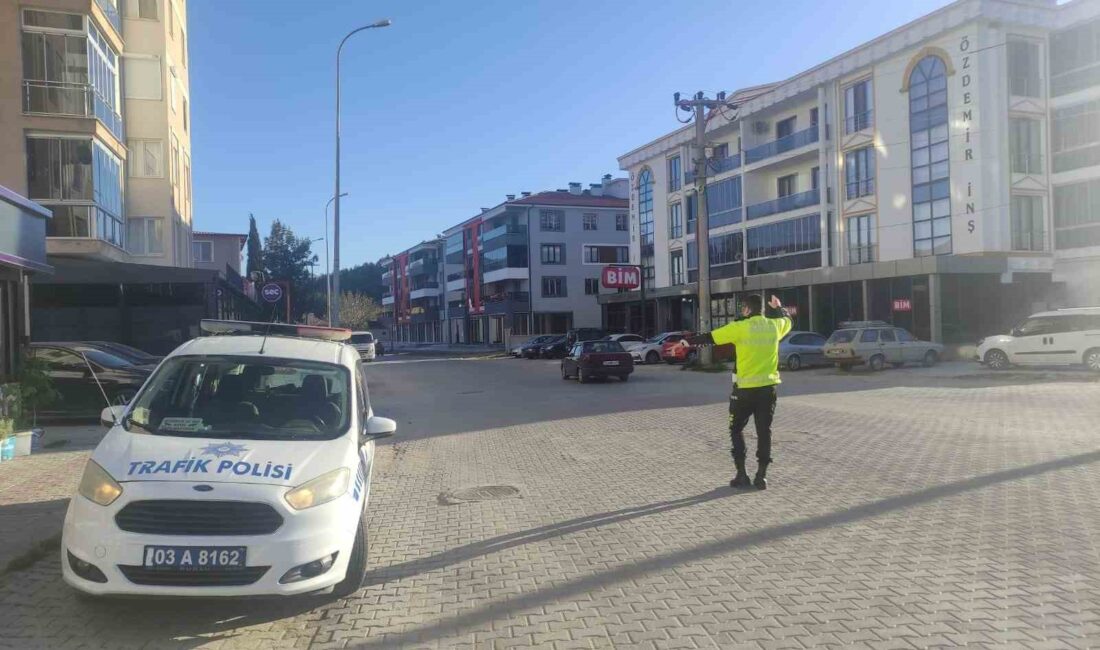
<point x="224" y="449"/>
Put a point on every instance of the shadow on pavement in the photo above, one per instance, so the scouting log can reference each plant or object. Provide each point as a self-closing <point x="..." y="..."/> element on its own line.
<point x="24" y="530"/>
<point x="578" y="586"/>
<point x="535" y="535"/>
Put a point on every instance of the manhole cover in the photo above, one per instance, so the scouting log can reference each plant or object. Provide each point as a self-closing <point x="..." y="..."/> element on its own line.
<point x="479" y="493"/>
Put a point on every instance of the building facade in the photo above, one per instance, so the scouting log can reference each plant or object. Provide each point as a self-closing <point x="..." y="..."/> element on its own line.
<point x="939" y="177"/>
<point x="530" y="265"/>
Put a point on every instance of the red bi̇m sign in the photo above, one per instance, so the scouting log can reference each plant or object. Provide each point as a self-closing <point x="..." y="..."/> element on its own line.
<point x="903" y="304"/>
<point x="621" y="277"/>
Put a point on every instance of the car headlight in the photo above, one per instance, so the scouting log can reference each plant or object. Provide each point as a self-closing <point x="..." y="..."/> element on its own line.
<point x="97" y="485"/>
<point x="322" y="489"/>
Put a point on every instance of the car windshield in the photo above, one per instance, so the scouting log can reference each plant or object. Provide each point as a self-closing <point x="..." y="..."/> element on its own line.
<point x="843" y="336"/>
<point x="243" y="397"/>
<point x="360" y="339"/>
<point x="103" y="359"/>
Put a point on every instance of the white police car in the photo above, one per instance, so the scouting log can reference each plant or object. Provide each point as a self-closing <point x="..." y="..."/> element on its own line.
<point x="242" y="467"/>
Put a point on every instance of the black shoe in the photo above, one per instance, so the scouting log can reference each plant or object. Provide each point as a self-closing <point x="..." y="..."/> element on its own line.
<point x="740" y="481"/>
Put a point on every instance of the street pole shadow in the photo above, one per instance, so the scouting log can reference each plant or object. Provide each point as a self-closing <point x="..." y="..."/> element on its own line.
<point x="536" y="535"/>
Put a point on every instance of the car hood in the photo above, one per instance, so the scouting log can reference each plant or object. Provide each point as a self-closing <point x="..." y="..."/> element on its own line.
<point x="145" y="457"/>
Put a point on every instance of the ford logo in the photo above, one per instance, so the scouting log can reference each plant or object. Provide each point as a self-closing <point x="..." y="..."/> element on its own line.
<point x="202" y="488"/>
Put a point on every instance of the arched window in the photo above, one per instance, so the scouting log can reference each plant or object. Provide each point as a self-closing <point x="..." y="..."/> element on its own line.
<point x="930" y="149"/>
<point x="645" y="225"/>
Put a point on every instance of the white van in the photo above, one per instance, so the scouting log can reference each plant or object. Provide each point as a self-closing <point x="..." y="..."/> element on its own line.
<point x="365" y="343"/>
<point x="242" y="467"/>
<point x="1049" y="338"/>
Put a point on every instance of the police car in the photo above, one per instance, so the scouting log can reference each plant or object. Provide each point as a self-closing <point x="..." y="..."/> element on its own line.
<point x="242" y="467"/>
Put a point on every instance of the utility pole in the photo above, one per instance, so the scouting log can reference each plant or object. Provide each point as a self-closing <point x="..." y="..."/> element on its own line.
<point x="699" y="105"/>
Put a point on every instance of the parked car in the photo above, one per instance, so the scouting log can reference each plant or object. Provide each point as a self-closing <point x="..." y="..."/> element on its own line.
<point x="365" y="344"/>
<point x="652" y="350"/>
<point x="673" y="352"/>
<point x="591" y="359"/>
<point x="83" y="373"/>
<point x="529" y="349"/>
<point x="555" y="348"/>
<point x="1060" y="337"/>
<point x="580" y="334"/>
<point x="128" y="352"/>
<point x="802" y="349"/>
<point x="628" y="341"/>
<point x="876" y="344"/>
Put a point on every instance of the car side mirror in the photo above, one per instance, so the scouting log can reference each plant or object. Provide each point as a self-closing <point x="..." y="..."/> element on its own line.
<point x="1015" y="331"/>
<point x="111" y="415"/>
<point x="378" y="427"/>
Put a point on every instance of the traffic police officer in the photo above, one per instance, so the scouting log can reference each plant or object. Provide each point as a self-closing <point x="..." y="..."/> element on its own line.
<point x="756" y="337"/>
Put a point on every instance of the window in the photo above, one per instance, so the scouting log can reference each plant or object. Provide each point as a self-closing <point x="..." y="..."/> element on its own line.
<point x="1028" y="226"/>
<point x="146" y="236"/>
<point x="858" y="106"/>
<point x="691" y="205"/>
<point x="146" y="158"/>
<point x="859" y="172"/>
<point x="797" y="242"/>
<point x="53" y="20"/>
<point x="552" y="220"/>
<point x="202" y="251"/>
<point x="904" y="336"/>
<point x="1077" y="215"/>
<point x="724" y="202"/>
<point x="675" y="174"/>
<point x="785" y="185"/>
<point x="622" y="223"/>
<point x="675" y="221"/>
<point x="861" y="239"/>
<point x="147" y="9"/>
<point x="784" y="128"/>
<point x="591" y="286"/>
<point x="173" y="91"/>
<point x="174" y="162"/>
<point x="869" y="336"/>
<point x="725" y="249"/>
<point x="929" y="151"/>
<point x="645" y="226"/>
<point x="1075" y="136"/>
<point x="595" y="254"/>
<point x="63" y="169"/>
<point x="1025" y="145"/>
<point x="720" y="151"/>
<point x="183" y="47"/>
<point x="676" y="267"/>
<point x="59" y="169"/>
<point x="1074" y="58"/>
<point x="1023" y="68"/>
<point x="1036" y="327"/>
<point x="887" y="336"/>
<point x="55" y="65"/>
<point x="591" y="221"/>
<point x="185" y="125"/>
<point x="553" y="287"/>
<point x="186" y="187"/>
<point x="171" y="19"/>
<point x="552" y="254"/>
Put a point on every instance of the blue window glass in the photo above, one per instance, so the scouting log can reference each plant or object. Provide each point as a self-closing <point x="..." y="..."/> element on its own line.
<point x="929" y="152"/>
<point x="645" y="225"/>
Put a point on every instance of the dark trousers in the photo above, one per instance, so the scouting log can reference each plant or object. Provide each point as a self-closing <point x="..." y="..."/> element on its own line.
<point x="759" y="404"/>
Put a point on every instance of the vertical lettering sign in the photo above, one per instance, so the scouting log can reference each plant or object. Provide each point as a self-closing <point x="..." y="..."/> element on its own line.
<point x="966" y="156"/>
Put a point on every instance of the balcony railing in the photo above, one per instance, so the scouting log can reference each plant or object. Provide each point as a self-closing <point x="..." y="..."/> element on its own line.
<point x="505" y="229"/>
<point x="513" y="296"/>
<point x="75" y="99"/>
<point x="724" y="218"/>
<point x="1027" y="163"/>
<point x="451" y="277"/>
<point x="856" y="189"/>
<point x="84" y="222"/>
<point x="787" y="143"/>
<point x="859" y="121"/>
<point x="111" y="11"/>
<point x="423" y="267"/>
<point x="1074" y="80"/>
<point x="783" y="204"/>
<point x="425" y="285"/>
<point x="716" y="166"/>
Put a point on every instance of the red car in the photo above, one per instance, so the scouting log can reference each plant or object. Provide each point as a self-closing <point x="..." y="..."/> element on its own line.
<point x="590" y="359"/>
<point x="674" y="352"/>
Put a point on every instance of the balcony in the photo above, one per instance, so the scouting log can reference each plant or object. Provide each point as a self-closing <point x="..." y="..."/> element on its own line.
<point x="424" y="314"/>
<point x="387" y="299"/>
<point x="856" y="189"/>
<point x="507" y="302"/>
<point x="423" y="266"/>
<point x="724" y="218"/>
<point x="859" y="121"/>
<point x="717" y="166"/>
<point x="783" y="204"/>
<point x="791" y="142"/>
<point x="111" y="11"/>
<point x="70" y="100"/>
<point x="425" y="290"/>
<point x="503" y="229"/>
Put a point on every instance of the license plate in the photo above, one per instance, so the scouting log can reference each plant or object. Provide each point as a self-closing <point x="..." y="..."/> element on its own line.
<point x="194" y="558"/>
<point x="610" y="363"/>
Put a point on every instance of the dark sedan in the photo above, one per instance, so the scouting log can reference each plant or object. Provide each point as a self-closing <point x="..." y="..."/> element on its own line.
<point x="592" y="359"/>
<point x="128" y="352"/>
<point x="556" y="348"/>
<point x="88" y="378"/>
<point x="530" y="349"/>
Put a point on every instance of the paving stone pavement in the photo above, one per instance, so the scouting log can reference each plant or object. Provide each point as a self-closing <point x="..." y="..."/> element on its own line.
<point x="905" y="511"/>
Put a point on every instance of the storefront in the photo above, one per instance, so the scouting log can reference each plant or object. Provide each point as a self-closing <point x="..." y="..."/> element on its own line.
<point x="22" y="255"/>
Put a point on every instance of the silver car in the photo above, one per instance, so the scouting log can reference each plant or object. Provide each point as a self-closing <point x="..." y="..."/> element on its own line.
<point x="801" y="350"/>
<point x="876" y="344"/>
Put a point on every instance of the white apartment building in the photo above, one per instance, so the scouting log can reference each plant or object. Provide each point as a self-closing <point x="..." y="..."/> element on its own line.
<point x="944" y="177"/>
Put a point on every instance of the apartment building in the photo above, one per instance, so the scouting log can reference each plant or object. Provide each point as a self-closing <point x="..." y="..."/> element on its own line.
<point x="529" y="265"/>
<point x="942" y="177"/>
<point x="158" y="132"/>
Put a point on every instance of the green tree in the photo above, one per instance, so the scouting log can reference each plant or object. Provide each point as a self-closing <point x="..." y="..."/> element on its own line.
<point x="357" y="311"/>
<point x="255" y="250"/>
<point x="287" y="258"/>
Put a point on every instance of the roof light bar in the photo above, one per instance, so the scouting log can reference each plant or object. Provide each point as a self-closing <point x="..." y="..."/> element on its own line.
<point x="240" y="327"/>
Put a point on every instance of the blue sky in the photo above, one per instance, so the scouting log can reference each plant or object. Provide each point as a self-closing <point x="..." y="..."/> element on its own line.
<point x="461" y="102"/>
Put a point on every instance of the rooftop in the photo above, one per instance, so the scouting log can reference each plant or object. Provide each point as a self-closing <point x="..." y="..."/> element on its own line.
<point x="563" y="197"/>
<point x="276" y="347"/>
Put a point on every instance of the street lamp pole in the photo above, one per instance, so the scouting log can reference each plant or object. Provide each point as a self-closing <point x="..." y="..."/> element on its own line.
<point x="335" y="299"/>
<point x="328" y="271"/>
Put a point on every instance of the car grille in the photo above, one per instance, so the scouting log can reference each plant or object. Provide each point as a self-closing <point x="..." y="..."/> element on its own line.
<point x="190" y="517"/>
<point x="234" y="577"/>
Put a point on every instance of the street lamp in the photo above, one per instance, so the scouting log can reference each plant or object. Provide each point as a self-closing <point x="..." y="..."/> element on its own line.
<point x="328" y="273"/>
<point x="335" y="300"/>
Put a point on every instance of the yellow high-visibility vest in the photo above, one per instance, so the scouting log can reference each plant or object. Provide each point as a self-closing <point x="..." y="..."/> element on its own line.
<point x="757" y="340"/>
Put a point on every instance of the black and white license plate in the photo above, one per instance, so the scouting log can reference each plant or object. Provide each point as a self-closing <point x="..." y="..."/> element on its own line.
<point x="610" y="363"/>
<point x="194" y="558"/>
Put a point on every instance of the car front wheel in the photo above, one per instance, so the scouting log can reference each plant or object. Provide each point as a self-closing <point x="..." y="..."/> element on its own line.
<point x="996" y="360"/>
<point x="652" y="357"/>
<point x="930" y="359"/>
<point x="877" y="362"/>
<point x="357" y="563"/>
<point x="794" y="362"/>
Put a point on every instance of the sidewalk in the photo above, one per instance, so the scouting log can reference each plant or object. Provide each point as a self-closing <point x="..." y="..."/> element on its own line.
<point x="442" y="349"/>
<point x="35" y="489"/>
